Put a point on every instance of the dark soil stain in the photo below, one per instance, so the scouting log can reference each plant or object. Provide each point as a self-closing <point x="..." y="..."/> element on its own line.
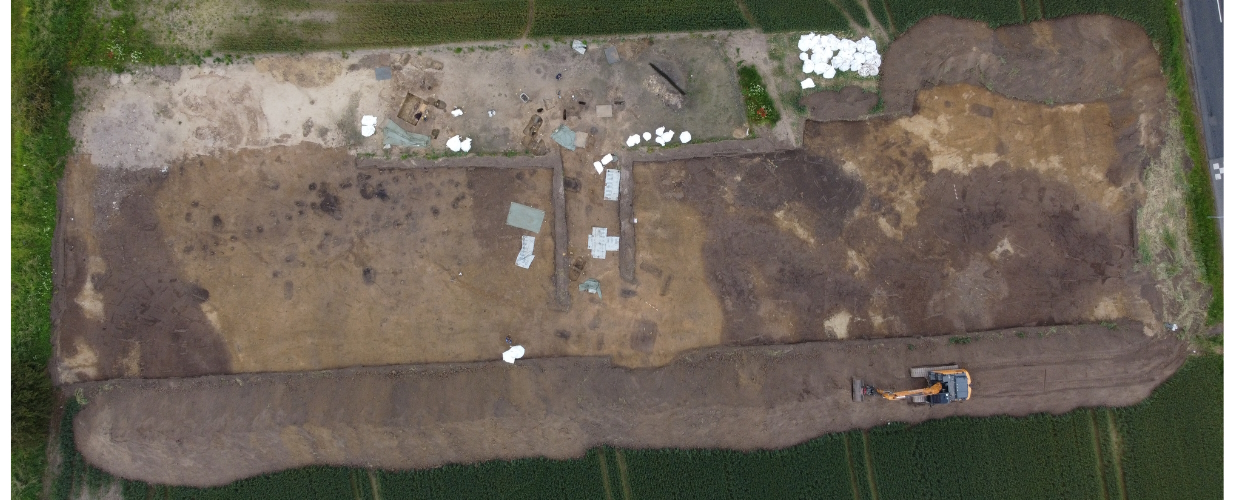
<point x="643" y="338"/>
<point x="148" y="306"/>
<point x="746" y="246"/>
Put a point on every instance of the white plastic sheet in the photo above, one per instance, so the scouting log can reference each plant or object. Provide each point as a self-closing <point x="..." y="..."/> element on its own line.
<point x="526" y="256"/>
<point x="612" y="185"/>
<point x="513" y="354"/>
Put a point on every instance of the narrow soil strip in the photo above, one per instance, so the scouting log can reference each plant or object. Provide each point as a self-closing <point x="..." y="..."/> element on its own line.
<point x="872" y="481"/>
<point x="373" y="482"/>
<point x="889" y="16"/>
<point x="529" y="20"/>
<point x="746" y="14"/>
<point x="1116" y="457"/>
<point x="620" y="464"/>
<point x="563" y="301"/>
<point x="850" y="466"/>
<point x="625" y="205"/>
<point x="1102" y="473"/>
<point x="521" y="161"/>
<point x="712" y="149"/>
<point x="607" y="481"/>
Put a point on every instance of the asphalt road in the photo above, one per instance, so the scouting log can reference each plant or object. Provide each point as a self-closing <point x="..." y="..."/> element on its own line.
<point x="1204" y="34"/>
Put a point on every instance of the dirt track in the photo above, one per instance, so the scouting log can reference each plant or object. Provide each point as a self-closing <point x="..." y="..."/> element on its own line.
<point x="895" y="226"/>
<point x="213" y="430"/>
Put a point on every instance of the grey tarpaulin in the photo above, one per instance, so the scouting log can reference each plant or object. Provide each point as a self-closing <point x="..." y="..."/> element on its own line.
<point x="396" y="136"/>
<point x="565" y="136"/>
<point x="382" y="73"/>
<point x="591" y="285"/>
<point x="527" y="218"/>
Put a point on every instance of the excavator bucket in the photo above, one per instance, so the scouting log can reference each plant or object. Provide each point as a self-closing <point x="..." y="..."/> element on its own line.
<point x="857" y="390"/>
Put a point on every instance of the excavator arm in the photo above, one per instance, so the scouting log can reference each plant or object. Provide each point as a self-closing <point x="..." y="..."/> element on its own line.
<point x="927" y="391"/>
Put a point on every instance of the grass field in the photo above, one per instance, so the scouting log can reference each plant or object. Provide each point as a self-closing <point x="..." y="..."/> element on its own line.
<point x="1169" y="446"/>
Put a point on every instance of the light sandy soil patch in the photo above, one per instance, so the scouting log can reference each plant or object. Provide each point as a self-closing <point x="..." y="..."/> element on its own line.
<point x="153" y="117"/>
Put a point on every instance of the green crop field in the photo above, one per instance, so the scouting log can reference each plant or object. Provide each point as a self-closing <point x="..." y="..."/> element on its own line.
<point x="579" y="18"/>
<point x="795" y="15"/>
<point x="1169" y="446"/>
<point x="854" y="11"/>
<point x="359" y="25"/>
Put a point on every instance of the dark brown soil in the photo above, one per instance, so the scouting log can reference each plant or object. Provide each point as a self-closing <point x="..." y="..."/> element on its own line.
<point x="212" y="430"/>
<point x="848" y="103"/>
<point x="880" y="228"/>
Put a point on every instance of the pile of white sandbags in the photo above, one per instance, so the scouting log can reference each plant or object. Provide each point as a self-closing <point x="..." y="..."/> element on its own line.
<point x="603" y="162"/>
<point x="456" y="144"/>
<point x="513" y="353"/>
<point x="662" y="137"/>
<point x="826" y="55"/>
<point x="368" y="125"/>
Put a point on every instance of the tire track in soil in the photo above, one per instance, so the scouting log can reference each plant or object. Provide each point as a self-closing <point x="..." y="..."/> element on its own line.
<point x="373" y="483"/>
<point x="1097" y="442"/>
<point x="746" y="14"/>
<point x="529" y="20"/>
<point x="1116" y="457"/>
<point x="355" y="485"/>
<point x="603" y="468"/>
<point x="872" y="480"/>
<point x="850" y="466"/>
<point x="620" y="465"/>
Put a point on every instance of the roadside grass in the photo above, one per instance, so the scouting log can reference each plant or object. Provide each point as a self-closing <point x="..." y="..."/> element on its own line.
<point x="47" y="38"/>
<point x="1168" y="258"/>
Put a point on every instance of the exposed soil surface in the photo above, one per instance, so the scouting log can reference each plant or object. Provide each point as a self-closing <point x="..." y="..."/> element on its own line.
<point x="997" y="193"/>
<point x="848" y="103"/>
<point x="156" y="116"/>
<point x="212" y="430"/>
<point x="910" y="226"/>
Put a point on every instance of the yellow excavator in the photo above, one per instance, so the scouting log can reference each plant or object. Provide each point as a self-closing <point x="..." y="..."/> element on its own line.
<point x="945" y="384"/>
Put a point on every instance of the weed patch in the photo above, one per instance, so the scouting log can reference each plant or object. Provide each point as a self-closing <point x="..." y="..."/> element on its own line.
<point x="759" y="105"/>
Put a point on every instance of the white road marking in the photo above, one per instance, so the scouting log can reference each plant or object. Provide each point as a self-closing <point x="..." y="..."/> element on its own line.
<point x="1219" y="11"/>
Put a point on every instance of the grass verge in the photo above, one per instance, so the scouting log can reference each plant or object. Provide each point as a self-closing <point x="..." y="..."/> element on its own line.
<point x="759" y="105"/>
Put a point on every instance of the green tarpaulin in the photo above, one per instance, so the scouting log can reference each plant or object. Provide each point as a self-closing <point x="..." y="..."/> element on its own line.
<point x="591" y="285"/>
<point x="527" y="218"/>
<point x="396" y="136"/>
<point x="565" y="136"/>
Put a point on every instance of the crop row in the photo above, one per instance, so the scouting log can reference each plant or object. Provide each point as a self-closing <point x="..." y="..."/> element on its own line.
<point x="796" y="15"/>
<point x="579" y="17"/>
